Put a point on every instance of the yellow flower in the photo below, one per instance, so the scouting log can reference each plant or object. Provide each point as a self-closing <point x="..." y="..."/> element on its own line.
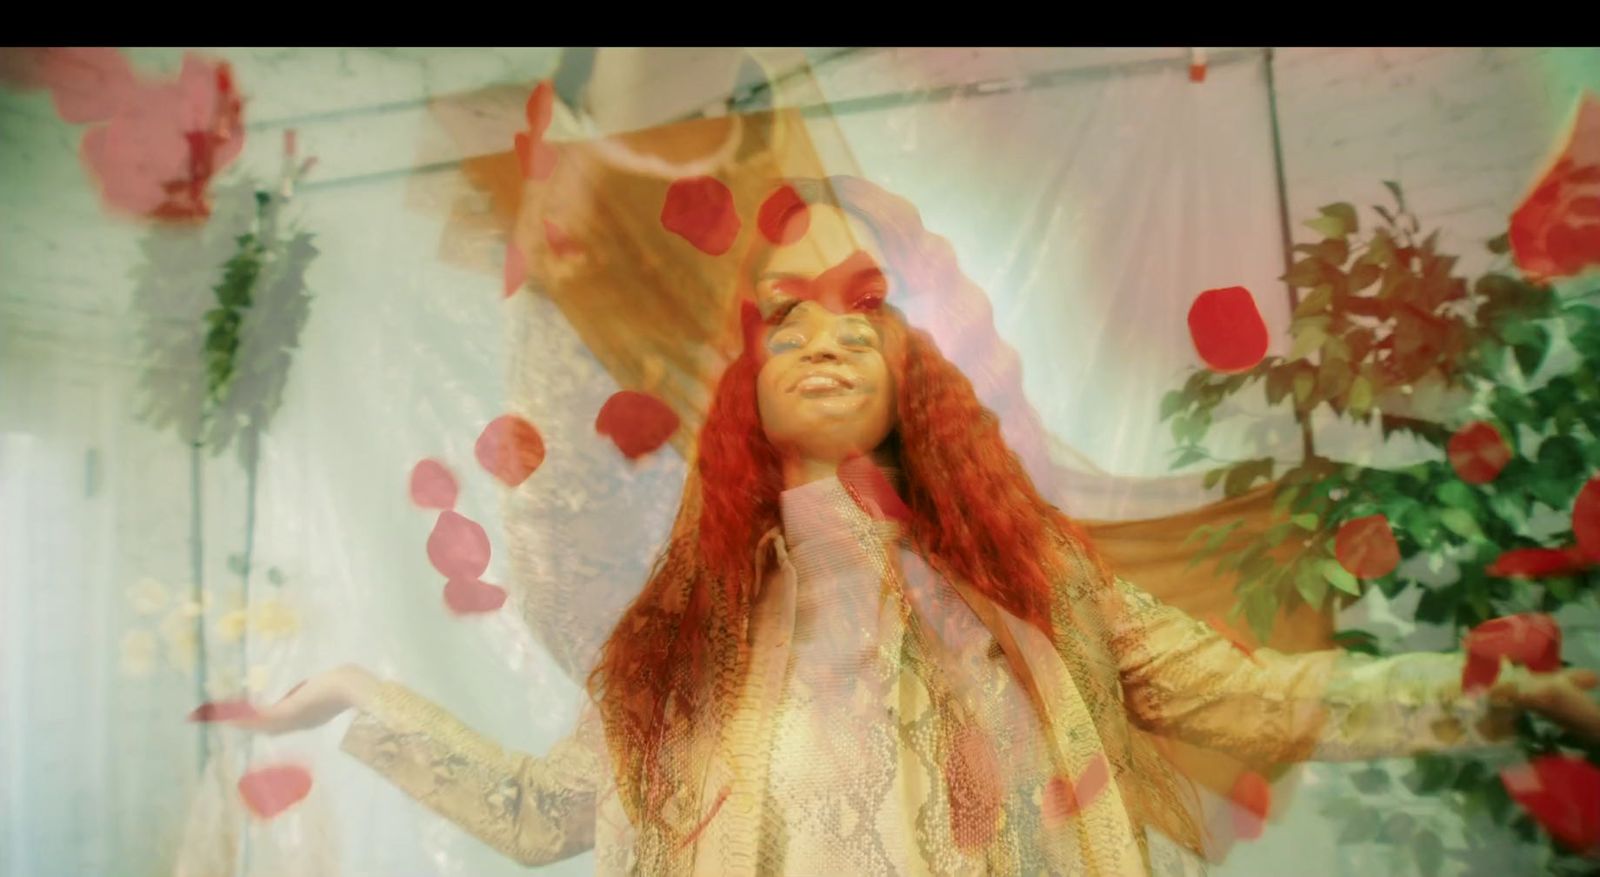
<point x="231" y="626"/>
<point x="271" y="618"/>
<point x="255" y="681"/>
<point x="147" y="596"/>
<point x="178" y="631"/>
<point x="138" y="653"/>
<point x="224" y="682"/>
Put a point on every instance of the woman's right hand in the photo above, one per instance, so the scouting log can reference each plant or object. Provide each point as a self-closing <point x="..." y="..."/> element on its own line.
<point x="315" y="702"/>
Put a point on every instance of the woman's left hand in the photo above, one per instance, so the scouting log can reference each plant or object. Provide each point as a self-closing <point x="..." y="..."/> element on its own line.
<point x="1562" y="697"/>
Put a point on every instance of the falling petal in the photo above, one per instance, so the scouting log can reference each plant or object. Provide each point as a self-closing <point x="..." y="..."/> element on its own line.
<point x="1477" y="452"/>
<point x="458" y="547"/>
<point x="637" y="423"/>
<point x="1365" y="547"/>
<point x="510" y="449"/>
<point x="432" y="485"/>
<point x="269" y="791"/>
<point x="470" y="596"/>
<point x="1227" y="329"/>
<point x="702" y="212"/>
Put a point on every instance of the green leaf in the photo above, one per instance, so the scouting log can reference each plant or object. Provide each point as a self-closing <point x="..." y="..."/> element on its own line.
<point x="1261" y="609"/>
<point x="1340" y="577"/>
<point x="1305" y="521"/>
<point x="1399" y="198"/>
<point x="1561" y="455"/>
<point x="1428" y="850"/>
<point x="1313" y="588"/>
<point x="1500" y="245"/>
<point x="1531" y="354"/>
<point x="1189" y="455"/>
<point x="1346" y="214"/>
<point x="1398" y="829"/>
<point x="1371" y="781"/>
<point x="1328" y="226"/>
<point x="1364" y="275"/>
<point x="1360" y="398"/>
<point x="1363" y="827"/>
<point x="1316" y="302"/>
<point x="1304" y="383"/>
<point x="1214" y="475"/>
<point x="1309" y="335"/>
<point x="1460" y="522"/>
<point x="1171" y="403"/>
<point x="1456" y="494"/>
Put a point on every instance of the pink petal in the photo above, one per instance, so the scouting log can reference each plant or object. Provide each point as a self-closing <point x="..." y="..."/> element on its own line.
<point x="458" y="547"/>
<point x="516" y="271"/>
<point x="470" y="596"/>
<point x="510" y="449"/>
<point x="432" y="485"/>
<point x="87" y="84"/>
<point x="269" y="791"/>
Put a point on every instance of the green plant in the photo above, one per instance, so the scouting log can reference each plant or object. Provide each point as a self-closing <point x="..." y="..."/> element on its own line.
<point x="1382" y="321"/>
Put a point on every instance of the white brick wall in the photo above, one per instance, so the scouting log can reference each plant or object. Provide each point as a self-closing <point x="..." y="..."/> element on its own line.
<point x="1464" y="131"/>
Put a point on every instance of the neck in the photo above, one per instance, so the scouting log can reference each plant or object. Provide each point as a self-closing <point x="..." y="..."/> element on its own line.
<point x="799" y="470"/>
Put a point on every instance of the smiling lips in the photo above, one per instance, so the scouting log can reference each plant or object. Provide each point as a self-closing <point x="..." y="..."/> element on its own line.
<point x="822" y="384"/>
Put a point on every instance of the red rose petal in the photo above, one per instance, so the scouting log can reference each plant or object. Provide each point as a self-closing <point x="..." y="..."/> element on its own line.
<point x="540" y="107"/>
<point x="1252" y="798"/>
<point x="1063" y="799"/>
<point x="224" y="711"/>
<point x="871" y="490"/>
<point x="458" y="548"/>
<point x="1477" y="452"/>
<point x="542" y="162"/>
<point x="510" y="448"/>
<point x="1534" y="563"/>
<point x="1479" y="672"/>
<point x="1550" y="233"/>
<point x="432" y="485"/>
<point x="536" y="158"/>
<point x="516" y="269"/>
<point x="269" y="791"/>
<point x="1094" y="779"/>
<point x="784" y="217"/>
<point x="1529" y="639"/>
<point x="972" y="784"/>
<point x="637" y="422"/>
<point x="87" y="84"/>
<point x="470" y="596"/>
<point x="702" y="212"/>
<point x="1586" y="519"/>
<point x="1227" y="329"/>
<point x="1562" y="795"/>
<point x="522" y="144"/>
<point x="1365" y="547"/>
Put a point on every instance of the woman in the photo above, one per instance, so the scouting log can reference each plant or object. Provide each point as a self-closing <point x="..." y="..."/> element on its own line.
<point x="872" y="647"/>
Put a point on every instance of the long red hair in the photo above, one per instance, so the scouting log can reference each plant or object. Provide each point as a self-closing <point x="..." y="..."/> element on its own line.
<point x="976" y="515"/>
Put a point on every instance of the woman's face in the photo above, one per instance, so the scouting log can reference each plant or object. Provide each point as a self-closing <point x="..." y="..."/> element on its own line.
<point x="825" y="390"/>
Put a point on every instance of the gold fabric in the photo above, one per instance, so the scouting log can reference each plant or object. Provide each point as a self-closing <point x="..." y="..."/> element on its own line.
<point x="891" y="721"/>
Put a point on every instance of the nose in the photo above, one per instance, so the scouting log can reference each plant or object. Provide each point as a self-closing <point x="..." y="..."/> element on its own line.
<point x="820" y="350"/>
